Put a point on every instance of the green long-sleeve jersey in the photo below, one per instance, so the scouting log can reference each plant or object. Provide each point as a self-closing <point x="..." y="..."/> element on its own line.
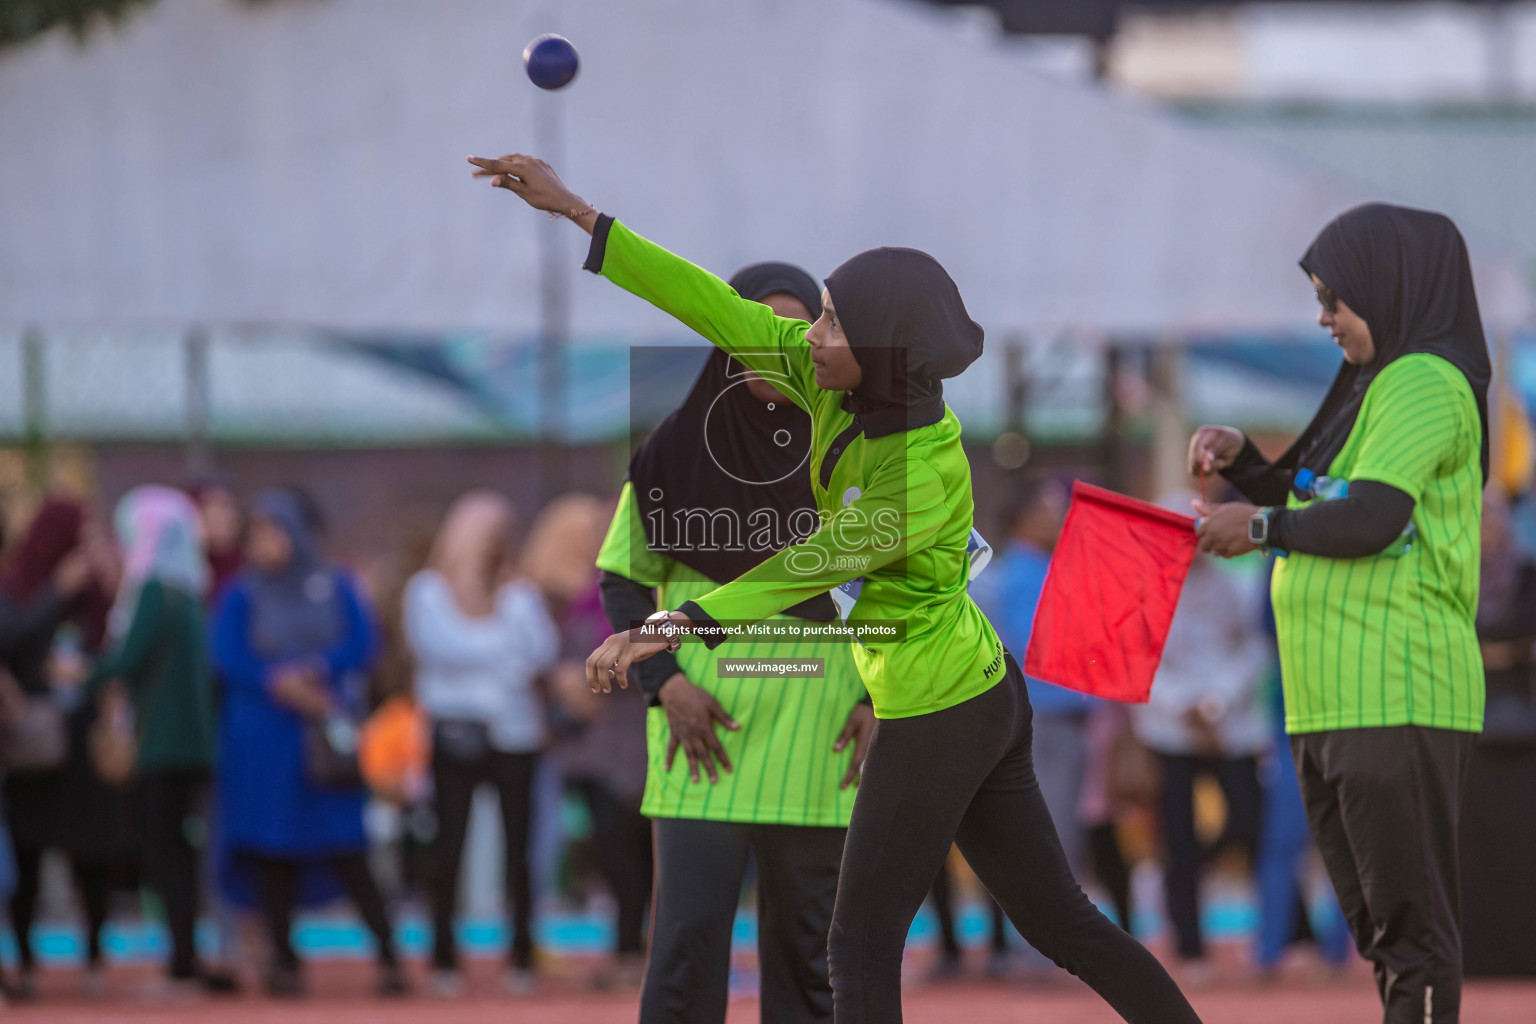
<point x="896" y="510"/>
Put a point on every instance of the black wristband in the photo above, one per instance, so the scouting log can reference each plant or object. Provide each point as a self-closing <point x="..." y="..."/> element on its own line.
<point x="1248" y="457"/>
<point x="1256" y="478"/>
<point x="599" y="247"/>
<point x="1277" y="517"/>
<point x="652" y="674"/>
<point x="706" y="628"/>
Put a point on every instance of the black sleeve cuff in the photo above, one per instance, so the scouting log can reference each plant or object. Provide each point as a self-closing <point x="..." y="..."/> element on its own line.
<point x="652" y="674"/>
<point x="710" y="631"/>
<point x="599" y="247"/>
<point x="1277" y="523"/>
<point x="1249" y="459"/>
<point x="626" y="604"/>
<point x="1256" y="478"/>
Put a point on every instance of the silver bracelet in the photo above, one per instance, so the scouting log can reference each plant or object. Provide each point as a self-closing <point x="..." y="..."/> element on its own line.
<point x="573" y="215"/>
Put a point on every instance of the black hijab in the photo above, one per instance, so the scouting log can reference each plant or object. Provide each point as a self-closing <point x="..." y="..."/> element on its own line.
<point x="1407" y="274"/>
<point x="752" y="462"/>
<point x="908" y="328"/>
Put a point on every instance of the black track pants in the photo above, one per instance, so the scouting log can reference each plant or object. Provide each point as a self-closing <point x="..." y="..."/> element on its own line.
<point x="966" y="775"/>
<point x="1384" y="805"/>
<point x="700" y="866"/>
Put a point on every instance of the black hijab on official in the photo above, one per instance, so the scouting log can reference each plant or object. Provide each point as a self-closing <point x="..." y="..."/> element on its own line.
<point x="908" y="329"/>
<point x="721" y="449"/>
<point x="1407" y="274"/>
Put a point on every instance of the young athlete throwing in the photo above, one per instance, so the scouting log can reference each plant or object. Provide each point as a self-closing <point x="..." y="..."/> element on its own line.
<point x="950" y="759"/>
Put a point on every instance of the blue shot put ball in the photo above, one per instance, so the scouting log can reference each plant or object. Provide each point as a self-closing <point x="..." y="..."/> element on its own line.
<point x="551" y="61"/>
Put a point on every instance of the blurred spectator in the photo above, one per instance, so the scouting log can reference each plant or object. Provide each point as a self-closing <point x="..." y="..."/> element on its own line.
<point x="1506" y="624"/>
<point x="292" y="640"/>
<point x="1284" y="845"/>
<point x="1119" y="774"/>
<point x="1497" y="847"/>
<point x="942" y="895"/>
<point x="413" y="533"/>
<point x="54" y="600"/>
<point x="1205" y="718"/>
<point x="1008" y="592"/>
<point x="479" y="640"/>
<point x="7" y="854"/>
<point x="310" y="511"/>
<point x="1522" y="520"/>
<point x="394" y="747"/>
<point x="223" y="525"/>
<point x="10" y="697"/>
<point x="158" y="652"/>
<point x="602" y="752"/>
<point x="218" y="507"/>
<point x="395" y="752"/>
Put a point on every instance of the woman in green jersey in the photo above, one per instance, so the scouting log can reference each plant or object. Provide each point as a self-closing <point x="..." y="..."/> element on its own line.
<point x="767" y="765"/>
<point x="950" y="759"/>
<point x="1377" y="507"/>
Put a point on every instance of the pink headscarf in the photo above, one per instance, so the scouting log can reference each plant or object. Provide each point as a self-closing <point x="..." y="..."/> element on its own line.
<point x="161" y="539"/>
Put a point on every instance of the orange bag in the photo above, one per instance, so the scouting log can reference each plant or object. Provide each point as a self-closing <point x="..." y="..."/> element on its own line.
<point x="394" y="750"/>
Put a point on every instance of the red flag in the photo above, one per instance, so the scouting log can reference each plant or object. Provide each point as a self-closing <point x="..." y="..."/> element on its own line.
<point x="1109" y="597"/>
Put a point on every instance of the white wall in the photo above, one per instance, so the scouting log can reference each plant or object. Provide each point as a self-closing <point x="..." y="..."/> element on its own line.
<point x="302" y="162"/>
<point x="1407" y="52"/>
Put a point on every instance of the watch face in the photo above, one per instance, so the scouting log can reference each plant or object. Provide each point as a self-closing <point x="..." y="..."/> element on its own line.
<point x="1258" y="529"/>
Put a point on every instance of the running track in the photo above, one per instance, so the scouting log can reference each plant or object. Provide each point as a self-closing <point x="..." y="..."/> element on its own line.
<point x="341" y="999"/>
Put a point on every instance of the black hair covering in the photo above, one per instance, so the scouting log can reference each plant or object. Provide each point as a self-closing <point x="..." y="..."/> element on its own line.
<point x="722" y="449"/>
<point x="1407" y="274"/>
<point x="757" y="281"/>
<point x="908" y="328"/>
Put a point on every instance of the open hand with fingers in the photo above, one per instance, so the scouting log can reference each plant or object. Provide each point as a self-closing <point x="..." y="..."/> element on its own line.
<point x="692" y="714"/>
<point x="610" y="662"/>
<point x="1223" y="528"/>
<point x="537" y="184"/>
<point x="1213" y="449"/>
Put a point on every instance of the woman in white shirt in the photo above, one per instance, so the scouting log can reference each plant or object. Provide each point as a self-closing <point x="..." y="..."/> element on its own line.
<point x="480" y="642"/>
<point x="1206" y="718"/>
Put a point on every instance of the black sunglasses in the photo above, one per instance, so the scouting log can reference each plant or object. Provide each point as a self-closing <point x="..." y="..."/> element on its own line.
<point x="1329" y="300"/>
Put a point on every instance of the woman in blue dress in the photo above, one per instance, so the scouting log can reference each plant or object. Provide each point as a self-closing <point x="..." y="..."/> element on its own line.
<point x="292" y="641"/>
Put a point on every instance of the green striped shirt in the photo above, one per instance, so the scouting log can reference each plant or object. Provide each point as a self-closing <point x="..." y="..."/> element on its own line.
<point x="1389" y="639"/>
<point x="784" y="769"/>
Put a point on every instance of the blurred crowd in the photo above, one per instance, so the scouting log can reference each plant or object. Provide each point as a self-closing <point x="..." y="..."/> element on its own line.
<point x="199" y="707"/>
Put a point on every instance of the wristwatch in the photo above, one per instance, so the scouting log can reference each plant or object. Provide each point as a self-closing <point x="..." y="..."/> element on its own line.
<point x="662" y="620"/>
<point x="1258" y="529"/>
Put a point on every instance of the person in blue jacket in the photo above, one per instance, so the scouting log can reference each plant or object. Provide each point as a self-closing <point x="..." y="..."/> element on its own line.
<point x="1285" y="843"/>
<point x="292" y="640"/>
<point x="1032" y="514"/>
